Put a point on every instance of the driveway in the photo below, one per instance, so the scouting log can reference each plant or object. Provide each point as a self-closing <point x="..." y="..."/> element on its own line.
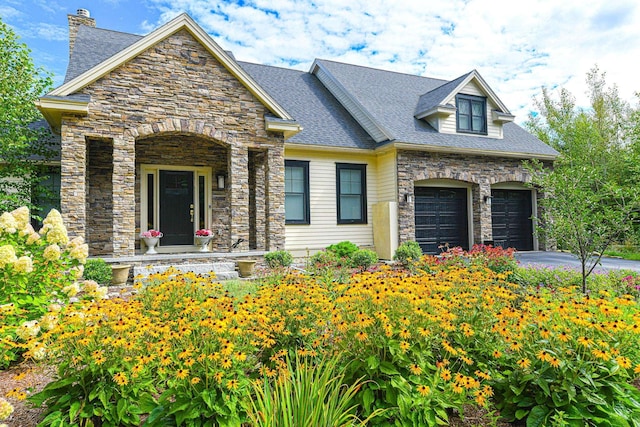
<point x="562" y="259"/>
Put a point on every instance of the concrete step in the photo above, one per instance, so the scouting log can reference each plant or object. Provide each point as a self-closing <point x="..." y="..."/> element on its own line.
<point x="222" y="270"/>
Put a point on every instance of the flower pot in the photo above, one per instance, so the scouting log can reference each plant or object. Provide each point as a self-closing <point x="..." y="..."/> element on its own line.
<point x="150" y="243"/>
<point x="119" y="274"/>
<point x="203" y="242"/>
<point x="245" y="268"/>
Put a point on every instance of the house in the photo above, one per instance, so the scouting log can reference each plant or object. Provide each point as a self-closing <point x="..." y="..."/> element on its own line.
<point x="169" y="131"/>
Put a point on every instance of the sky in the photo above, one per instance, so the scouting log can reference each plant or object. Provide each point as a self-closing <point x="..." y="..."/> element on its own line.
<point x="518" y="46"/>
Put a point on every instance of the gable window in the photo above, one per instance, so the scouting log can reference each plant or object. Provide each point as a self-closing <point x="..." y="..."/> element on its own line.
<point x="352" y="193"/>
<point x="472" y="114"/>
<point x="296" y="192"/>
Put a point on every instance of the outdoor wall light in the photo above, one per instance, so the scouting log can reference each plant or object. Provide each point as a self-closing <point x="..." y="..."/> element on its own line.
<point x="487" y="199"/>
<point x="220" y="179"/>
<point x="408" y="198"/>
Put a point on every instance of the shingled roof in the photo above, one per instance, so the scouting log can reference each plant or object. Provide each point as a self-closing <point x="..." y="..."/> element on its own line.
<point x="390" y="99"/>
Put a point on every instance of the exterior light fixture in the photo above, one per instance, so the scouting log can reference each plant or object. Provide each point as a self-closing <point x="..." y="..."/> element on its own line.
<point x="220" y="180"/>
<point x="487" y="199"/>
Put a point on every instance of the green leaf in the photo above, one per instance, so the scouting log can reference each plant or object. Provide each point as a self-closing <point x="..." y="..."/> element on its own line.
<point x="537" y="416"/>
<point x="373" y="362"/>
<point x="73" y="410"/>
<point x="388" y="368"/>
<point x="521" y="413"/>
<point x="367" y="400"/>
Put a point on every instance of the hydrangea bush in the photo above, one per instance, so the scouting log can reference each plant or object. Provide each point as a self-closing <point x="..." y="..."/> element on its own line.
<point x="38" y="273"/>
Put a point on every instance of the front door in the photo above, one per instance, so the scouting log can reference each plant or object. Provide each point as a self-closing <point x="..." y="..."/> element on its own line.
<point x="177" y="207"/>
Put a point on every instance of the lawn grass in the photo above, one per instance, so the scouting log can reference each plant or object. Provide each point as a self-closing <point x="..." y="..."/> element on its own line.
<point x="239" y="288"/>
<point x="623" y="253"/>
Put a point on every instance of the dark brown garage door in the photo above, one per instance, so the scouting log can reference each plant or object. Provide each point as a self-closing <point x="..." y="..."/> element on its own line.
<point x="441" y="218"/>
<point x="511" y="217"/>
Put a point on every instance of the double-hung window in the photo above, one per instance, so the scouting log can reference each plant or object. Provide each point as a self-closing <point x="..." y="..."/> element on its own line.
<point x="472" y="114"/>
<point x="351" y="193"/>
<point x="296" y="192"/>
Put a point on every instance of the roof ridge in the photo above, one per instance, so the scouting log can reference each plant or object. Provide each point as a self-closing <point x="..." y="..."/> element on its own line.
<point x="381" y="69"/>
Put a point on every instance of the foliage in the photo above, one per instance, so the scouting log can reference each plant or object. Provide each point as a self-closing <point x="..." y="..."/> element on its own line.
<point x="281" y="258"/>
<point x="35" y="269"/>
<point x="183" y="351"/>
<point x="363" y="259"/>
<point x="21" y="140"/>
<point x="343" y="249"/>
<point x="305" y="394"/>
<point x="408" y="252"/>
<point x="591" y="195"/>
<point x="98" y="270"/>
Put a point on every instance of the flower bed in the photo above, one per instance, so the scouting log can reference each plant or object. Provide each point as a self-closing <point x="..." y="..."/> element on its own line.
<point x="426" y="344"/>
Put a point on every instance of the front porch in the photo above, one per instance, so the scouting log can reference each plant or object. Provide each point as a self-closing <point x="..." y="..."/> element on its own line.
<point x="223" y="264"/>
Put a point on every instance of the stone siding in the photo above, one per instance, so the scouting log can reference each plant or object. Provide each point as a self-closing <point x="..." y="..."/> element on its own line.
<point x="174" y="96"/>
<point x="479" y="172"/>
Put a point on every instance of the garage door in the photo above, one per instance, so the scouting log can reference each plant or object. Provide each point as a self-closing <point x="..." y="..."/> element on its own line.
<point x="511" y="217"/>
<point x="441" y="218"/>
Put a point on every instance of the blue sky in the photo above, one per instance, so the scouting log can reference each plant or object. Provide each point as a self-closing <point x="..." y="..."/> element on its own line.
<point x="518" y="47"/>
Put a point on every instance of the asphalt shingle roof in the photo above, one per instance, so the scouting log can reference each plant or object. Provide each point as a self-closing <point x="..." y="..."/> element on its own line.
<point x="391" y="98"/>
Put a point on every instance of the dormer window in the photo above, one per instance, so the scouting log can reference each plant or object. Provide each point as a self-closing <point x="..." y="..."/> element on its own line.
<point x="472" y="114"/>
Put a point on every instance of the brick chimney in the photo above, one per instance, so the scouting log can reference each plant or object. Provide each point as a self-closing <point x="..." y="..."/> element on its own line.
<point x="82" y="17"/>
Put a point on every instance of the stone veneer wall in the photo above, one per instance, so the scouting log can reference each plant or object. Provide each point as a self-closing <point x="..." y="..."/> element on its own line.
<point x="478" y="171"/>
<point x="175" y="87"/>
<point x="100" y="196"/>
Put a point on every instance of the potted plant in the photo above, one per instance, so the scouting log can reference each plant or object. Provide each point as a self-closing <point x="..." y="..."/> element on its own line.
<point x="151" y="238"/>
<point x="202" y="239"/>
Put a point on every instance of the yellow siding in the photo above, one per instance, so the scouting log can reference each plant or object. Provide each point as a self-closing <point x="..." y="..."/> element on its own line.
<point x="324" y="229"/>
<point x="448" y="125"/>
<point x="387" y="177"/>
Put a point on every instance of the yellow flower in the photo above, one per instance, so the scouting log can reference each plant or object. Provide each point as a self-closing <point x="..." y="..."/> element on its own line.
<point x="195" y="380"/>
<point x="182" y="373"/>
<point x="624" y="362"/>
<point x="6" y="409"/>
<point x="554" y="362"/>
<point x="52" y="252"/>
<point x="226" y="363"/>
<point x="232" y="384"/>
<point x="415" y="369"/>
<point x="7" y="255"/>
<point x="445" y="374"/>
<point x="361" y="336"/>
<point x="423" y="390"/>
<point x="404" y="346"/>
<point x="8" y="223"/>
<point x="121" y="379"/>
<point x="524" y="363"/>
<point x="23" y="265"/>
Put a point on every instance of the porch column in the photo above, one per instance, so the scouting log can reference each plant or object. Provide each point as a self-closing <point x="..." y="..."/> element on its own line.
<point x="239" y="191"/>
<point x="73" y="170"/>
<point x="274" y="199"/>
<point x="486" y="225"/>
<point x="257" y="202"/>
<point x="124" y="198"/>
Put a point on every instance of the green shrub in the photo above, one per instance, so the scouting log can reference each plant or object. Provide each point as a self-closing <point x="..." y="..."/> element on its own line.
<point x="363" y="258"/>
<point x="343" y="249"/>
<point x="323" y="259"/>
<point x="408" y="252"/>
<point x="280" y="258"/>
<point x="35" y="270"/>
<point x="97" y="270"/>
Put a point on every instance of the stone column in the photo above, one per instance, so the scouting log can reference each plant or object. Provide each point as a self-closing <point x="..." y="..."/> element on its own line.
<point x="484" y="200"/>
<point x="274" y="200"/>
<point x="124" y="197"/>
<point x="239" y="196"/>
<point x="406" y="199"/>
<point x="73" y="188"/>
<point x="259" y="199"/>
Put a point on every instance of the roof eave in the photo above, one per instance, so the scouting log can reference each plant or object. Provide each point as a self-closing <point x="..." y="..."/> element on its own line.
<point x="53" y="108"/>
<point x="472" y="151"/>
<point x="288" y="128"/>
<point x="443" y="111"/>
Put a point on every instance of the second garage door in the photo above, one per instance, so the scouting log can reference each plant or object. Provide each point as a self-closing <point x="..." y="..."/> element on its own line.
<point x="511" y="216"/>
<point x="441" y="218"/>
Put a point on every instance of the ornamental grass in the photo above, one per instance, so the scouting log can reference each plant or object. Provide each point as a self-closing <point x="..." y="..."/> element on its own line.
<point x="422" y="344"/>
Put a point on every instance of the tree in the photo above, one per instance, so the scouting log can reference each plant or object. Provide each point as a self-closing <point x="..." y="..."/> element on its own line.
<point x="590" y="196"/>
<point x="25" y="143"/>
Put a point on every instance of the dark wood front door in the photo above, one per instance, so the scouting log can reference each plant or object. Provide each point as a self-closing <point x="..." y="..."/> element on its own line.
<point x="177" y="206"/>
<point x="441" y="218"/>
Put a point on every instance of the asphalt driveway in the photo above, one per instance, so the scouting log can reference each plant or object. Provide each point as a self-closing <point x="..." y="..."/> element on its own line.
<point x="562" y="259"/>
